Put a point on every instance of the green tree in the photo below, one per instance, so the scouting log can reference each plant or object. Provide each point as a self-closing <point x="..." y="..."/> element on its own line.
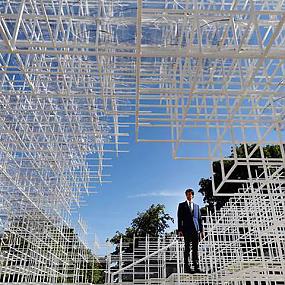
<point x="153" y="222"/>
<point x="241" y="172"/>
<point x="94" y="272"/>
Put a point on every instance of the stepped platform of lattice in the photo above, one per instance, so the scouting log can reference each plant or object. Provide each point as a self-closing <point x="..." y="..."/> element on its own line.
<point x="245" y="242"/>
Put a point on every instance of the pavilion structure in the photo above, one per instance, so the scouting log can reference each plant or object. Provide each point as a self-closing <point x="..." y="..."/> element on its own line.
<point x="76" y="74"/>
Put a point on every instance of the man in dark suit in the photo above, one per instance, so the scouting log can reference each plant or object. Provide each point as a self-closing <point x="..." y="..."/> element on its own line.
<point x="190" y="226"/>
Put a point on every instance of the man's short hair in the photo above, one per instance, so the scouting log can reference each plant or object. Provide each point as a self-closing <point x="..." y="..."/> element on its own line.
<point x="188" y="191"/>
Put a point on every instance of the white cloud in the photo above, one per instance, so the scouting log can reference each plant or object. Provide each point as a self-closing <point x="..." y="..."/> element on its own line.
<point x="157" y="194"/>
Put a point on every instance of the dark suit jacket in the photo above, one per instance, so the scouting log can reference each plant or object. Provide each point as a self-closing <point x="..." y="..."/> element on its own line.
<point x="189" y="222"/>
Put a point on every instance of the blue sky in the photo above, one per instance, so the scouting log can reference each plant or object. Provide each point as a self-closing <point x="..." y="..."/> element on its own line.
<point x="145" y="175"/>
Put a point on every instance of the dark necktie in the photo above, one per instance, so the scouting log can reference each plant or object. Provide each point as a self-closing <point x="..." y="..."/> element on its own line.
<point x="191" y="211"/>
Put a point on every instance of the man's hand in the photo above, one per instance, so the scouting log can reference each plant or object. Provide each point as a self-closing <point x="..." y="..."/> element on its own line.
<point x="180" y="234"/>
<point x="202" y="235"/>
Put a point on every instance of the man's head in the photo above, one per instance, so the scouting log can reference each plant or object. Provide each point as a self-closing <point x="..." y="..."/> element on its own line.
<point x="189" y="194"/>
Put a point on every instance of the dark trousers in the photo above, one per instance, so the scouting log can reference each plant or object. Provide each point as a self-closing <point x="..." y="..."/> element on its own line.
<point x="192" y="239"/>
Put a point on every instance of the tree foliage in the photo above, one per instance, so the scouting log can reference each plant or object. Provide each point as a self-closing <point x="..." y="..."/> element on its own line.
<point x="94" y="272"/>
<point x="153" y="222"/>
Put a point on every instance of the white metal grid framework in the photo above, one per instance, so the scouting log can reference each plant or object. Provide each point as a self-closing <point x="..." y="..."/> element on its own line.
<point x="212" y="72"/>
<point x="60" y="121"/>
<point x="244" y="244"/>
<point x="74" y="74"/>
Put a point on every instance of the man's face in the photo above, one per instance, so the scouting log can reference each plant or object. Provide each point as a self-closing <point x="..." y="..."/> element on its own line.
<point x="189" y="196"/>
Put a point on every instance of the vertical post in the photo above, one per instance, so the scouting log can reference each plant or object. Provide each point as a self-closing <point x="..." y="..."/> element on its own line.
<point x="164" y="259"/>
<point x="146" y="263"/>
<point x="110" y="277"/>
<point x="134" y="242"/>
<point x="178" y="261"/>
<point x="120" y="258"/>
<point x="148" y="269"/>
<point x="138" y="64"/>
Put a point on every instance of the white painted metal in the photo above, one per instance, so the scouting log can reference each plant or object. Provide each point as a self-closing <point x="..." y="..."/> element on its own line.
<point x="201" y="75"/>
<point x="244" y="244"/>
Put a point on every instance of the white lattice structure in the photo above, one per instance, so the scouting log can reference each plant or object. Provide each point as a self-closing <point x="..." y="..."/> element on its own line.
<point x="74" y="74"/>
<point x="59" y="124"/>
<point x="244" y="244"/>
<point x="212" y="72"/>
<point x="211" y="76"/>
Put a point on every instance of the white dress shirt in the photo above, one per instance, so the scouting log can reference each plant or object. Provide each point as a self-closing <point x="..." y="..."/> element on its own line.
<point x="190" y="204"/>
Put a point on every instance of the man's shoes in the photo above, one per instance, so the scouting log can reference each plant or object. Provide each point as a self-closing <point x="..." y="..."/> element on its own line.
<point x="187" y="269"/>
<point x="197" y="270"/>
